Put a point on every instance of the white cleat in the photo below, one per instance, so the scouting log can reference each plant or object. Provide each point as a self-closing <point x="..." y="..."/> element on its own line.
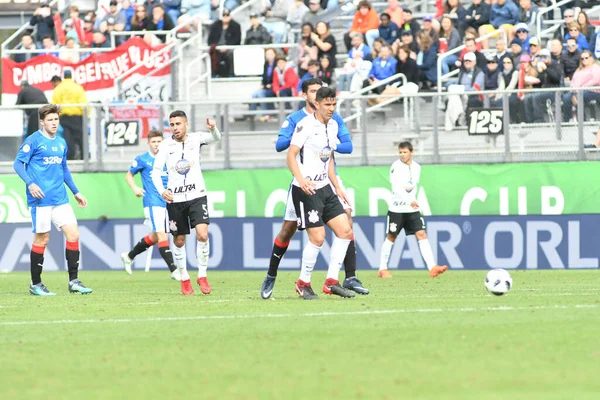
<point x="176" y="275"/>
<point x="126" y="262"/>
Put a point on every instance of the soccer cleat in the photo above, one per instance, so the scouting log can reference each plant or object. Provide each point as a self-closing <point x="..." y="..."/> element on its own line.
<point x="305" y="290"/>
<point x="176" y="275"/>
<point x="437" y="270"/>
<point x="332" y="286"/>
<point x="75" y="286"/>
<point x="40" y="290"/>
<point x="126" y="262"/>
<point x="204" y="286"/>
<point x="384" y="273"/>
<point x="267" y="287"/>
<point x="355" y="285"/>
<point x="186" y="288"/>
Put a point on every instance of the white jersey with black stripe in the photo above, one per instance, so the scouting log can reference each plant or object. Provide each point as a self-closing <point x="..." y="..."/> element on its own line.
<point x="316" y="141"/>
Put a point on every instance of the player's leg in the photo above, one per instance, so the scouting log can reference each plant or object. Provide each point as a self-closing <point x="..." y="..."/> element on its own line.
<point x="282" y="241"/>
<point x="40" y="219"/>
<point x="144" y="243"/>
<point x="394" y="225"/>
<point x="180" y="228"/>
<point x="352" y="282"/>
<point x="336" y="219"/>
<point x="416" y="225"/>
<point x="159" y="220"/>
<point x="199" y="220"/>
<point x="309" y="212"/>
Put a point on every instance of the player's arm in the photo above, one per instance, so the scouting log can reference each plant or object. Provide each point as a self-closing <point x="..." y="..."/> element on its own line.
<point x="334" y="180"/>
<point x="159" y="164"/>
<point x="345" y="146"/>
<point x="213" y="134"/>
<point x="136" y="166"/>
<point x="23" y="158"/>
<point x="68" y="178"/>
<point x="292" y="162"/>
<point x="285" y="135"/>
<point x="395" y="179"/>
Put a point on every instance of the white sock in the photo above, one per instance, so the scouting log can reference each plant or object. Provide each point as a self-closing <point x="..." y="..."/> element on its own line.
<point x="202" y="254"/>
<point x="309" y="259"/>
<point x="386" y="249"/>
<point x="339" y="247"/>
<point x="180" y="259"/>
<point x="426" y="252"/>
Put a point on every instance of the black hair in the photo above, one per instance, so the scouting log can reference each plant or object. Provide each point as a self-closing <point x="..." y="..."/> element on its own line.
<point x="384" y="14"/>
<point x="406" y="145"/>
<point x="309" y="82"/>
<point x="325" y="93"/>
<point x="56" y="78"/>
<point x="313" y="62"/>
<point x="177" y="113"/>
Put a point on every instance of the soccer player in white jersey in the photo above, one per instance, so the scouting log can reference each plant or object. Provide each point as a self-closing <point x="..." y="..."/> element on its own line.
<point x="185" y="194"/>
<point x="42" y="164"/>
<point x="404" y="212"/>
<point x="310" y="159"/>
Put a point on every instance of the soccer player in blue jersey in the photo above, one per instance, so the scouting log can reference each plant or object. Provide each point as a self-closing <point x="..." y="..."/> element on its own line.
<point x="290" y="223"/>
<point x="42" y="164"/>
<point x="155" y="207"/>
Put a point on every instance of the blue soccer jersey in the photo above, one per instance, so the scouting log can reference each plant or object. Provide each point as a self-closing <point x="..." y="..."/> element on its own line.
<point x="144" y="163"/>
<point x="45" y="161"/>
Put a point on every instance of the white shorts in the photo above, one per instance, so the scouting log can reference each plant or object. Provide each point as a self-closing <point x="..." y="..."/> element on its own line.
<point x="156" y="218"/>
<point x="290" y="211"/>
<point x="43" y="217"/>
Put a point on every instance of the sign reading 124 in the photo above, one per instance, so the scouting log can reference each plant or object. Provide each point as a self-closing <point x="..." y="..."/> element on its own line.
<point x="482" y="121"/>
<point x="122" y="133"/>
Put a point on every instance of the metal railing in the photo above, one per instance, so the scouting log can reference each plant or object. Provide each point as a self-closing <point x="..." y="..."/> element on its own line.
<point x="555" y="24"/>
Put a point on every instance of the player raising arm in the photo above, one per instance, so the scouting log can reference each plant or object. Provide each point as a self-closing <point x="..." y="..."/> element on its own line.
<point x="404" y="212"/>
<point x="185" y="194"/>
<point x="155" y="207"/>
<point x="42" y="164"/>
<point x="310" y="159"/>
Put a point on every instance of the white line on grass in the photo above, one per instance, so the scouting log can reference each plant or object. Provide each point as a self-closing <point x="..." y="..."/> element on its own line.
<point x="305" y="315"/>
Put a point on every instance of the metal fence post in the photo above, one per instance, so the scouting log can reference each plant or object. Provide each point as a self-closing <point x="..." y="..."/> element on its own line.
<point x="226" y="148"/>
<point x="85" y="140"/>
<point x="99" y="143"/>
<point x="364" y="159"/>
<point x="281" y="106"/>
<point x="558" y="114"/>
<point x="580" y="122"/>
<point x="506" y="124"/>
<point x="436" y="137"/>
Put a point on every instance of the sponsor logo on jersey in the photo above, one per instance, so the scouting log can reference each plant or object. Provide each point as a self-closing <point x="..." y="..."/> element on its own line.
<point x="53" y="160"/>
<point x="313" y="216"/>
<point x="26" y="148"/>
<point x="324" y="154"/>
<point x="185" y="188"/>
<point x="54" y="148"/>
<point x="183" y="166"/>
<point x="318" y="177"/>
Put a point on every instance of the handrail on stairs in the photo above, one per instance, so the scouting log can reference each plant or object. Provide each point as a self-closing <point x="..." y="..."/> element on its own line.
<point x="538" y="22"/>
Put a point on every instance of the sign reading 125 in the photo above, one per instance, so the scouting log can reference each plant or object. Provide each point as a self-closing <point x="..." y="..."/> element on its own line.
<point x="483" y="121"/>
<point x="122" y="133"/>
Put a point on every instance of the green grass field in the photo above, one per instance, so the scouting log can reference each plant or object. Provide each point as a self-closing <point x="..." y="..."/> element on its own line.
<point x="137" y="337"/>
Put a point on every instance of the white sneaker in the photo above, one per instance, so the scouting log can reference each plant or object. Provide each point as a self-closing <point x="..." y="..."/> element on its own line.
<point x="176" y="275"/>
<point x="126" y="262"/>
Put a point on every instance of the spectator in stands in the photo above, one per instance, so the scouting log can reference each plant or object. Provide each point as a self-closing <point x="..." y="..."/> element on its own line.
<point x="456" y="12"/>
<point x="285" y="79"/>
<point x="313" y="15"/>
<point x="377" y="45"/>
<point x="516" y="51"/>
<point x="99" y="41"/>
<point x="172" y="7"/>
<point x="570" y="59"/>
<point x="395" y="12"/>
<point x="575" y="33"/>
<point x="357" y="54"/>
<point x="296" y="14"/>
<point x="407" y="39"/>
<point x="266" y="89"/>
<point x="528" y="12"/>
<point x="359" y="49"/>
<point x="365" y="19"/>
<point x="471" y="47"/>
<point x="224" y="31"/>
<point x="196" y="11"/>
<point x="325" y="42"/>
<point x="313" y="72"/>
<point x="383" y="67"/>
<point x="387" y="30"/>
<point x="49" y="47"/>
<point x="588" y="74"/>
<point x="478" y="15"/>
<point x="140" y="20"/>
<point x="507" y="80"/>
<point x="492" y="73"/>
<point x="42" y="18"/>
<point x="73" y="26"/>
<point x="407" y="65"/>
<point x="472" y="79"/>
<point x="128" y="11"/>
<point x="550" y="74"/>
<point x="428" y="28"/>
<point x="410" y="24"/>
<point x="449" y="40"/>
<point x="569" y="16"/>
<point x="326" y="71"/>
<point x="55" y="81"/>
<point x="427" y="60"/>
<point x="275" y="13"/>
<point x="522" y="32"/>
<point x="501" y="50"/>
<point x="69" y="52"/>
<point x="31" y="95"/>
<point x="149" y="5"/>
<point x="556" y="50"/>
<point x="114" y="18"/>
<point x="504" y="15"/>
<point x="595" y="45"/>
<point x="66" y="94"/>
<point x="27" y="43"/>
<point x="534" y="47"/>
<point x="584" y="22"/>
<point x="161" y="22"/>
<point x="88" y="30"/>
<point x="257" y="34"/>
<point x="307" y="50"/>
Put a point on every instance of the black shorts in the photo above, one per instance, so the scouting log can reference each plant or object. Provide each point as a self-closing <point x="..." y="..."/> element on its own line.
<point x="316" y="210"/>
<point x="187" y="214"/>
<point x="410" y="222"/>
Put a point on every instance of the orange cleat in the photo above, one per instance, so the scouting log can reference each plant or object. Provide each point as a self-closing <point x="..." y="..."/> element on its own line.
<point x="186" y="288"/>
<point x="437" y="270"/>
<point x="204" y="286"/>
<point x="384" y="273"/>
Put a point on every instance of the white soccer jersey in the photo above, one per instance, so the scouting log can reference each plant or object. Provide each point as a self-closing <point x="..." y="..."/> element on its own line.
<point x="316" y="141"/>
<point x="404" y="180"/>
<point x="183" y="165"/>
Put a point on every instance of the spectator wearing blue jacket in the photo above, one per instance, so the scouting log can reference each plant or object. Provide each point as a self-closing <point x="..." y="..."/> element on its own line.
<point x="595" y="45"/>
<point x="575" y="33"/>
<point x="382" y="68"/>
<point x="387" y="30"/>
<point x="504" y="15"/>
<point x="427" y="59"/>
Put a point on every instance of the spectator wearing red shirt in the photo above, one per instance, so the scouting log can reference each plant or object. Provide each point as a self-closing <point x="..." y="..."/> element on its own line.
<point x="285" y="79"/>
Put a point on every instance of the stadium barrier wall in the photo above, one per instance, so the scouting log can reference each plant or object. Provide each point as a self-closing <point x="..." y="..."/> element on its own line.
<point x="491" y="189"/>
<point x="462" y="242"/>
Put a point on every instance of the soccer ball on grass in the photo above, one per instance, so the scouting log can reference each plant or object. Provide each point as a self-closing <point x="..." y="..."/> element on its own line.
<point x="498" y="282"/>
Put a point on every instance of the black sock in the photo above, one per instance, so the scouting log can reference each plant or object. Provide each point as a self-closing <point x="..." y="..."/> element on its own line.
<point x="350" y="260"/>
<point x="72" y="263"/>
<point x="279" y="250"/>
<point x="140" y="247"/>
<point x="37" y="261"/>
<point x="165" y="253"/>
